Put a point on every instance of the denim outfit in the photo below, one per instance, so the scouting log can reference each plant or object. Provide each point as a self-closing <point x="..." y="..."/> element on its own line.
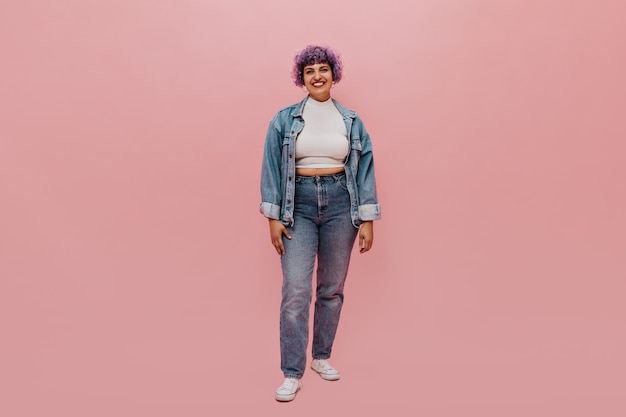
<point x="278" y="172"/>
<point x="322" y="214"/>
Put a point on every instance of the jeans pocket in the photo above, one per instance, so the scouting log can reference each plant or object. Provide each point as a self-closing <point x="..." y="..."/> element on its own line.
<point x="340" y="180"/>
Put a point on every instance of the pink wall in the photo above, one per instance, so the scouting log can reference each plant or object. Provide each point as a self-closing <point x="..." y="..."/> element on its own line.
<point x="137" y="278"/>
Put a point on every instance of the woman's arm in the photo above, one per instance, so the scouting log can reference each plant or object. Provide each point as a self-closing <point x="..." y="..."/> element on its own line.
<point x="369" y="208"/>
<point x="270" y="171"/>
<point x="366" y="236"/>
<point x="277" y="229"/>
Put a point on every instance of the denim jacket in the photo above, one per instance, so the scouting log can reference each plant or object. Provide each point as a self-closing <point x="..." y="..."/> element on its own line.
<point x="278" y="172"/>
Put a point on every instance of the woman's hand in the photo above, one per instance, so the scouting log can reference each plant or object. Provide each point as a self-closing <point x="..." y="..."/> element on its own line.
<point x="277" y="229"/>
<point x="366" y="236"/>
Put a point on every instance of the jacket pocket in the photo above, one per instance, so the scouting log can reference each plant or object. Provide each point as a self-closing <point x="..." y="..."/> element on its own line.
<point x="355" y="144"/>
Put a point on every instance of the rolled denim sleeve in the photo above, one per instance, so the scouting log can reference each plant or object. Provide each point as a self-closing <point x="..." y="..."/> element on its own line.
<point x="270" y="171"/>
<point x="369" y="207"/>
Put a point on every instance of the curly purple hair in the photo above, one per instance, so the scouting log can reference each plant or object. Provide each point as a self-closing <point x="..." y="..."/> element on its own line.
<point x="314" y="54"/>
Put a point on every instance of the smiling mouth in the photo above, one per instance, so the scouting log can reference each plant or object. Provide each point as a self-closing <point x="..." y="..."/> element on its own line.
<point x="318" y="84"/>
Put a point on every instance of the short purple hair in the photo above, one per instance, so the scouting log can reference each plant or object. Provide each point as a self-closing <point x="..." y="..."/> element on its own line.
<point x="314" y="54"/>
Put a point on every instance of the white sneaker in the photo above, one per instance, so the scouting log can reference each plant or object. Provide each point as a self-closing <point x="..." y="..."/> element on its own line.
<point x="327" y="372"/>
<point x="287" y="391"/>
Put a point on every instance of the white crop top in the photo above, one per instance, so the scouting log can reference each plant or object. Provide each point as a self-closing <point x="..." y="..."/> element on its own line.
<point x="323" y="142"/>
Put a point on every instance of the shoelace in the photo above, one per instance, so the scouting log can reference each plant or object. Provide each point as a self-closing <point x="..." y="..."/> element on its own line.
<point x="324" y="365"/>
<point x="289" y="384"/>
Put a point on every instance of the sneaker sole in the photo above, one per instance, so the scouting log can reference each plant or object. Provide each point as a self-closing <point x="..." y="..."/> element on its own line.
<point x="327" y="377"/>
<point x="287" y="398"/>
<point x="330" y="378"/>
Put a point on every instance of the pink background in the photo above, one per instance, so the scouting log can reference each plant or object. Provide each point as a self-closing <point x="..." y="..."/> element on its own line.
<point x="137" y="277"/>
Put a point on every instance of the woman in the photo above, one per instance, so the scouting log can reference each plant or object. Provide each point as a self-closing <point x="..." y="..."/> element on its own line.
<point x="318" y="192"/>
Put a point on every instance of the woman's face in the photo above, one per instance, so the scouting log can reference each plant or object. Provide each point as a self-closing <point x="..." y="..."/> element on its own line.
<point x="318" y="79"/>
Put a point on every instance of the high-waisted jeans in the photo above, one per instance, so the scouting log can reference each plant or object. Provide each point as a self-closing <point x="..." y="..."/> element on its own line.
<point x="322" y="228"/>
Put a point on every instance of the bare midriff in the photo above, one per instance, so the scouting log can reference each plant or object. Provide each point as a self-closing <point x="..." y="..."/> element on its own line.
<point x="311" y="172"/>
